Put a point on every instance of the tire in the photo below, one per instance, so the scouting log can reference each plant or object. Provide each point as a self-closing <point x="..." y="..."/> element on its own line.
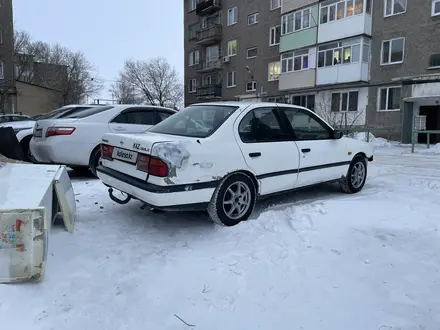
<point x="356" y="176"/>
<point x="94" y="160"/>
<point x="219" y="211"/>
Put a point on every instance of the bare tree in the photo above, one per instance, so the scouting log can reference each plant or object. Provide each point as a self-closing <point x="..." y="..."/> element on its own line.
<point x="154" y="82"/>
<point x="124" y="92"/>
<point x="64" y="69"/>
<point x="344" y="120"/>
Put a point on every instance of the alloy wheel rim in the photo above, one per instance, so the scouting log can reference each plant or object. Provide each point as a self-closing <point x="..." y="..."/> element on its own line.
<point x="357" y="175"/>
<point x="237" y="200"/>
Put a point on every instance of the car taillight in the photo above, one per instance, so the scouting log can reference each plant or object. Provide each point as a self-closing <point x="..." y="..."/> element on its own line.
<point x="55" y="131"/>
<point x="106" y="151"/>
<point x="152" y="165"/>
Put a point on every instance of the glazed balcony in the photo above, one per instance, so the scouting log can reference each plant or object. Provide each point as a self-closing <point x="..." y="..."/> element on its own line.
<point x="209" y="91"/>
<point x="210" y="35"/>
<point x="209" y="64"/>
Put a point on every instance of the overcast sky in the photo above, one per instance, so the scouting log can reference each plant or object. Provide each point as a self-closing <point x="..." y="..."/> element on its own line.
<point x="107" y="31"/>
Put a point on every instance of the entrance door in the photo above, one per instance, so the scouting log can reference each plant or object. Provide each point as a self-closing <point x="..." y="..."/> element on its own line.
<point x="432" y="114"/>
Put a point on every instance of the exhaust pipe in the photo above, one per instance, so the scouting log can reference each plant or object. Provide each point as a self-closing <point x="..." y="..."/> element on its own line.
<point x="116" y="199"/>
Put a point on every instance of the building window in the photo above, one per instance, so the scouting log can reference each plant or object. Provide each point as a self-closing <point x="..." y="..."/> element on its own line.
<point x="389" y="99"/>
<point x="211" y="20"/>
<point x="251" y="52"/>
<point x="295" y="61"/>
<point x="393" y="51"/>
<point x="274" y="4"/>
<point x="2" y="74"/>
<point x="332" y="10"/>
<point x="192" y="85"/>
<point x="194" y="58"/>
<point x="231" y="80"/>
<point x="232" y="16"/>
<point x="306" y="101"/>
<point x="274" y="71"/>
<point x="295" y="21"/>
<point x="251" y="86"/>
<point x="192" y="5"/>
<point x="338" y="53"/>
<point x="192" y="31"/>
<point x="232" y="48"/>
<point x="253" y="19"/>
<point x="1" y="34"/>
<point x="435" y="7"/>
<point x="434" y="61"/>
<point x="274" y="35"/>
<point x="345" y="101"/>
<point x="211" y="80"/>
<point x="394" y="7"/>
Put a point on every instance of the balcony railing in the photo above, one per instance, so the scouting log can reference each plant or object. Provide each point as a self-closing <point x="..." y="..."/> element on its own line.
<point x="209" y="91"/>
<point x="210" y="35"/>
<point x="207" y="7"/>
<point x="209" y="64"/>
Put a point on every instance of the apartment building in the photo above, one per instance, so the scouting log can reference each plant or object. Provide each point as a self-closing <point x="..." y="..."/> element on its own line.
<point x="231" y="49"/>
<point x="7" y="80"/>
<point x="405" y="65"/>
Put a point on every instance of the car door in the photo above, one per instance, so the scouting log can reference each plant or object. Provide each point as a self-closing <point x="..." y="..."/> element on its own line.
<point x="322" y="158"/>
<point x="133" y="120"/>
<point x="268" y="149"/>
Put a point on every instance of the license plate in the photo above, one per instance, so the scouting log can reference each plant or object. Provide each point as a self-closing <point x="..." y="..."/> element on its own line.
<point x="38" y="132"/>
<point x="124" y="155"/>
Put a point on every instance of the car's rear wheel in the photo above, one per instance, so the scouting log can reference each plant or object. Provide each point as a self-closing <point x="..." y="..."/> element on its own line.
<point x="94" y="160"/>
<point x="27" y="150"/>
<point x="233" y="201"/>
<point x="356" y="176"/>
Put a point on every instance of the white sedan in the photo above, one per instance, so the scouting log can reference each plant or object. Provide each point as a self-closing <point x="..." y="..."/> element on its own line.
<point x="241" y="152"/>
<point x="75" y="139"/>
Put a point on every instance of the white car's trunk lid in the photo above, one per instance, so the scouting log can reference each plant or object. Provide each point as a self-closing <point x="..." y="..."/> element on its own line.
<point x="41" y="126"/>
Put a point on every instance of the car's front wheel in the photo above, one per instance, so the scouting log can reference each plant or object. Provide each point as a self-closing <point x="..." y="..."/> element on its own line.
<point x="94" y="160"/>
<point x="233" y="201"/>
<point x="356" y="176"/>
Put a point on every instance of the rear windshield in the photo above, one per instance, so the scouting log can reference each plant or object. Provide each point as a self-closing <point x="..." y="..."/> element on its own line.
<point x="60" y="113"/>
<point x="87" y="113"/>
<point x="195" y="121"/>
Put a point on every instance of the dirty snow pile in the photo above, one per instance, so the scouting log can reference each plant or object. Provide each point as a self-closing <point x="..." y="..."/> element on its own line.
<point x="312" y="260"/>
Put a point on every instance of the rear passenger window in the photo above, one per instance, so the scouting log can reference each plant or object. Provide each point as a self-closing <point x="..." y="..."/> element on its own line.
<point x="88" y="112"/>
<point x="261" y="125"/>
<point x="136" y="117"/>
<point x="164" y="115"/>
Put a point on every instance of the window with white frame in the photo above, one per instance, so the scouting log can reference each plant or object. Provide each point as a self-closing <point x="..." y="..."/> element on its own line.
<point x="392" y="51"/>
<point x="192" y="5"/>
<point x="193" y="58"/>
<point x="274" y="35"/>
<point x="366" y="51"/>
<point x="192" y="85"/>
<point x="274" y="4"/>
<point x="306" y="101"/>
<point x="345" y="101"/>
<point x="332" y="10"/>
<point x="295" y="21"/>
<point x="251" y="86"/>
<point x="232" y="16"/>
<point x="389" y="99"/>
<point x="251" y="52"/>
<point x="295" y="61"/>
<point x="2" y="73"/>
<point x="394" y="7"/>
<point x="435" y="7"/>
<point x="274" y="71"/>
<point x="337" y="53"/>
<point x="232" y="47"/>
<point x="253" y="19"/>
<point x="231" y="79"/>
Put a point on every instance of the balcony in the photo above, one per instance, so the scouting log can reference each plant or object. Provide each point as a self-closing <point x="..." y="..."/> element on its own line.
<point x="208" y="7"/>
<point x="209" y="64"/>
<point x="209" y="91"/>
<point x="345" y="28"/>
<point x="210" y="35"/>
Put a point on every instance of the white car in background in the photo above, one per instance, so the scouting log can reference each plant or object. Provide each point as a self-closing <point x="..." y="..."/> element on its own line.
<point x="75" y="139"/>
<point x="243" y="151"/>
<point x="24" y="128"/>
<point x="12" y="118"/>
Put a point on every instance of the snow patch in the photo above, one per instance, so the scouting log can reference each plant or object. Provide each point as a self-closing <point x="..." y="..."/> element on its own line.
<point x="175" y="153"/>
<point x="435" y="149"/>
<point x="377" y="142"/>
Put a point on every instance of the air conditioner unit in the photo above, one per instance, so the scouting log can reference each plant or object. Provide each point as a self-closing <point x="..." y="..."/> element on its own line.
<point x="226" y="59"/>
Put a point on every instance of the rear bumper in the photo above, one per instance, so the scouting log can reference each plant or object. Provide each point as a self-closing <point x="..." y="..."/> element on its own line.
<point x="57" y="152"/>
<point x="172" y="197"/>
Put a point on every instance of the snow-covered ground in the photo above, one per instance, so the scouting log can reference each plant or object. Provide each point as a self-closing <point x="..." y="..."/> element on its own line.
<point x="312" y="260"/>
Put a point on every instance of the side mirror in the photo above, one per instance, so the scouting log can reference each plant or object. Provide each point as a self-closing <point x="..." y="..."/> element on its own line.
<point x="337" y="134"/>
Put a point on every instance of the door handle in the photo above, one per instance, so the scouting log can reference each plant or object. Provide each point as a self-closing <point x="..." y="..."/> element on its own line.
<point x="119" y="128"/>
<point x="306" y="150"/>
<point x="255" y="154"/>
